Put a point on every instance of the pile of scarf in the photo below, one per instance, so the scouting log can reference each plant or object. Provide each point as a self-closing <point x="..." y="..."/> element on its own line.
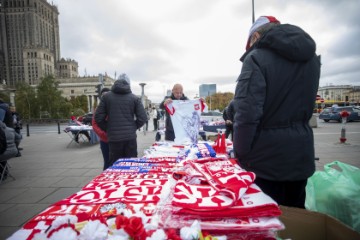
<point x="171" y="186"/>
<point x="222" y="196"/>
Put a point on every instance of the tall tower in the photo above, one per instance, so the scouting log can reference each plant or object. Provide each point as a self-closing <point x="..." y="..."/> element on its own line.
<point x="29" y="41"/>
<point x="206" y="90"/>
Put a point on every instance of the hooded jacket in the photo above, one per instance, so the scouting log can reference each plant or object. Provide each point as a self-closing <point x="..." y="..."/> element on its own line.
<point x="274" y="100"/>
<point x="120" y="113"/>
<point x="11" y="139"/>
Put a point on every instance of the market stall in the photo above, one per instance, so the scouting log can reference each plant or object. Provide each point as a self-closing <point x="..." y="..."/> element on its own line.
<point x="178" y="190"/>
<point x="187" y="189"/>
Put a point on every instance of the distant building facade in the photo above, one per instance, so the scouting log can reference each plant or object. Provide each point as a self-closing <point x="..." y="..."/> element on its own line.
<point x="29" y="41"/>
<point x="340" y="93"/>
<point x="68" y="68"/>
<point x="74" y="87"/>
<point x="207" y="90"/>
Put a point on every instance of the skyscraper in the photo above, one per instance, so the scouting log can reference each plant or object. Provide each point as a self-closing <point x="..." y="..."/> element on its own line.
<point x="207" y="90"/>
<point x="29" y="41"/>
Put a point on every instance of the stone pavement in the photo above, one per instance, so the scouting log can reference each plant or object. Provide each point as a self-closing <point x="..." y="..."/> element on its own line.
<point x="48" y="171"/>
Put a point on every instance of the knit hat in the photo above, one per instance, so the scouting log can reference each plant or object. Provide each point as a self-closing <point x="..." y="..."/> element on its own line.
<point x="258" y="23"/>
<point x="125" y="77"/>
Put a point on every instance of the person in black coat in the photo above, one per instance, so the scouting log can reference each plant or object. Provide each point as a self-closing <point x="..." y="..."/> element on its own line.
<point x="274" y="101"/>
<point x="228" y="116"/>
<point x="120" y="113"/>
<point x="177" y="94"/>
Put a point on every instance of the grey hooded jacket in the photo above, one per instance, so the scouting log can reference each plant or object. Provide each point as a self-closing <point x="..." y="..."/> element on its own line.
<point x="11" y="138"/>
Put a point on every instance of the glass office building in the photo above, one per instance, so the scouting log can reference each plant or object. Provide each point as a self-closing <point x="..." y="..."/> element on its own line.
<point x="207" y="90"/>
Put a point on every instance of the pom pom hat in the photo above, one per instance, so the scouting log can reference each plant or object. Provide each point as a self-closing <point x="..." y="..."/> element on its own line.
<point x="258" y="23"/>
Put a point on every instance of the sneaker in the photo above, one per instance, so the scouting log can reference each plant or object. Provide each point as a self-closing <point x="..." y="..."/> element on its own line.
<point x="18" y="154"/>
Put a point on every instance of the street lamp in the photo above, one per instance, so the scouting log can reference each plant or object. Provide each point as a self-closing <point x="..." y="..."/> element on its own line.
<point x="253" y="12"/>
<point x="210" y="99"/>
<point x="142" y="92"/>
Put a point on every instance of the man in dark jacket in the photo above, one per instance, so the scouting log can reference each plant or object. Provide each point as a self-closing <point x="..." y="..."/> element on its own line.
<point x="228" y="116"/>
<point x="274" y="99"/>
<point x="120" y="113"/>
<point x="176" y="94"/>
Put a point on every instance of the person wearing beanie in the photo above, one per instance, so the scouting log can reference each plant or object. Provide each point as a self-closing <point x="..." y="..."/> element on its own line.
<point x="120" y="113"/>
<point x="273" y="103"/>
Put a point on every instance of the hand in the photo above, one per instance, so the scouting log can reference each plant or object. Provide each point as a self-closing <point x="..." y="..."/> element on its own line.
<point x="168" y="101"/>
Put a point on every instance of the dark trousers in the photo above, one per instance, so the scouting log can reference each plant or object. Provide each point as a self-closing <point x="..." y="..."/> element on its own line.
<point x="291" y="194"/>
<point x="169" y="135"/>
<point x="104" y="146"/>
<point x="155" y="121"/>
<point x="229" y="130"/>
<point x="122" y="149"/>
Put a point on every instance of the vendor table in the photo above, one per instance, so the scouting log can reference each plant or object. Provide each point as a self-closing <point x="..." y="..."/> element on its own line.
<point x="159" y="191"/>
<point x="77" y="132"/>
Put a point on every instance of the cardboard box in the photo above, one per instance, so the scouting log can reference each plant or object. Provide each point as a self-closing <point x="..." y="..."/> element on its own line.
<point x="303" y="224"/>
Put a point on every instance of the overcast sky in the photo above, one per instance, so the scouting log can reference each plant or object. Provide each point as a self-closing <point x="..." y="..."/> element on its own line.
<point x="193" y="42"/>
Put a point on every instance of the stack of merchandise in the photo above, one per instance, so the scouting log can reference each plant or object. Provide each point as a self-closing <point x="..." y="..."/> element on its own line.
<point x="219" y="194"/>
<point x="172" y="192"/>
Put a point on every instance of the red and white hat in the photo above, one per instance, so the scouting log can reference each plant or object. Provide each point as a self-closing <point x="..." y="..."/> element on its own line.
<point x="258" y="23"/>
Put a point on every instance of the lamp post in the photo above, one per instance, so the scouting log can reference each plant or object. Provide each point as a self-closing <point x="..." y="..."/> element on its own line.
<point x="142" y="92"/>
<point x="210" y="99"/>
<point x="253" y="12"/>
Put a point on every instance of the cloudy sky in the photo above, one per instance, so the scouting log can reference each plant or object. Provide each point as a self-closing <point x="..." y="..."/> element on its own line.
<point x="163" y="42"/>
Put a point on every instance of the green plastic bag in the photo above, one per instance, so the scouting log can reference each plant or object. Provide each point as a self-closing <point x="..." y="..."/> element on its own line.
<point x="336" y="192"/>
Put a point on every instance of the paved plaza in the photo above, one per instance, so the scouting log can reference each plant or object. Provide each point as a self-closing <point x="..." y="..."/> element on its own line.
<point x="48" y="171"/>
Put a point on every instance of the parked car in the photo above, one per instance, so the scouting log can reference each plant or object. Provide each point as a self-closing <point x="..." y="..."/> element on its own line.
<point x="87" y="118"/>
<point x="211" y="116"/>
<point x="333" y="113"/>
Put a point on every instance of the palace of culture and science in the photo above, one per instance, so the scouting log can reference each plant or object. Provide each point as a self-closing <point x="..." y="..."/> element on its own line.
<point x="30" y="50"/>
